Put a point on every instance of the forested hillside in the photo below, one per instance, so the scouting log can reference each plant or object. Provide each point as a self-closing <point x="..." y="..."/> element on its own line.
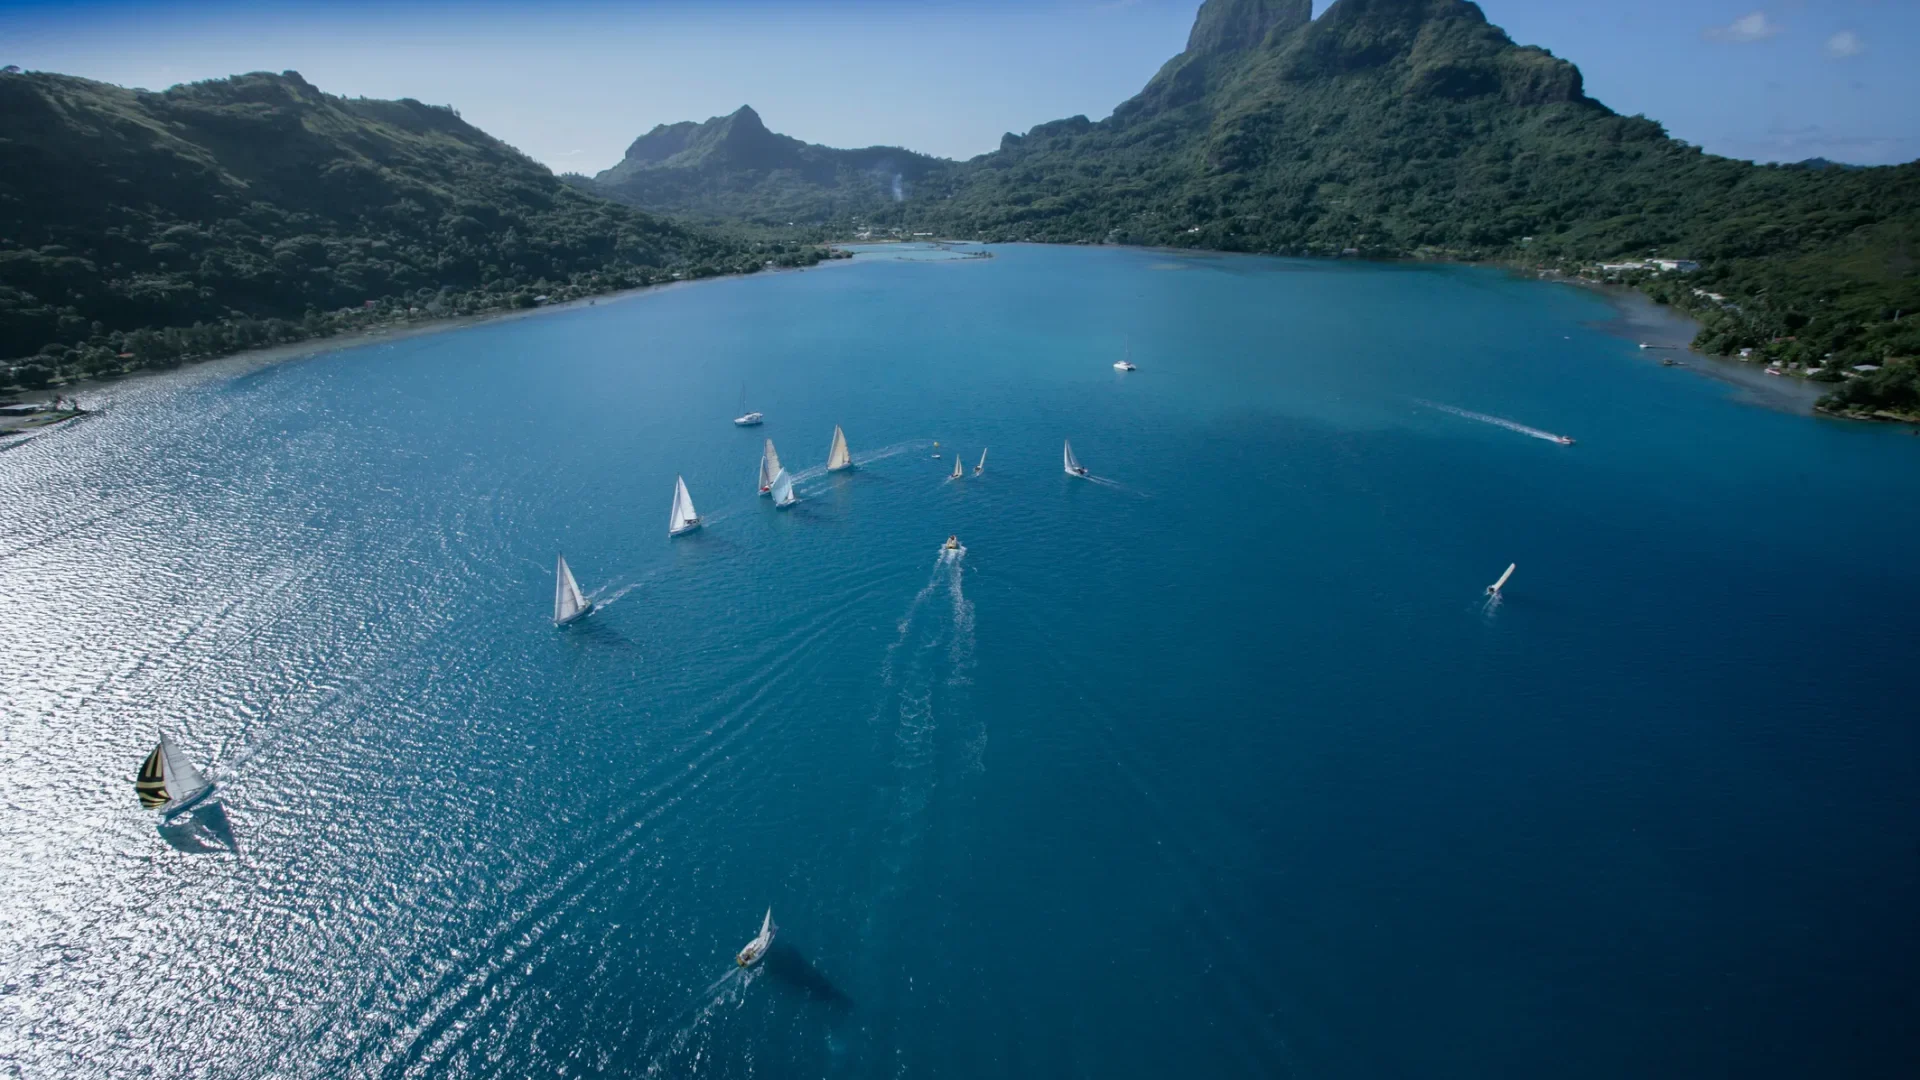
<point x="141" y="228"/>
<point x="732" y="169"/>
<point x="1415" y="127"/>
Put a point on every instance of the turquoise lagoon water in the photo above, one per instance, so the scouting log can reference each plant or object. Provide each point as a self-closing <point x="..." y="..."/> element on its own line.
<point x="1215" y="766"/>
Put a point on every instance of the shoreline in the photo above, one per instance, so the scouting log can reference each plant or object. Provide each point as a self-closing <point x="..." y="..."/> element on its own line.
<point x="269" y="355"/>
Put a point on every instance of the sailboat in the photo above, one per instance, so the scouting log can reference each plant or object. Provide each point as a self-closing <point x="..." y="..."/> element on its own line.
<point x="1074" y="468"/>
<point x="683" y="519"/>
<point x="757" y="948"/>
<point x="769" y="467"/>
<point x="1493" y="590"/>
<point x="837" y="456"/>
<point x="982" y="467"/>
<point x="783" y="496"/>
<point x="746" y="419"/>
<point x="957" y="467"/>
<point x="169" y="782"/>
<point x="1125" y="363"/>
<point x="568" y="604"/>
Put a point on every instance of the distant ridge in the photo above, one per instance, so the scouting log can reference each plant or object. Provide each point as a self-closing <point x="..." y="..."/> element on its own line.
<point x="732" y="168"/>
<point x="141" y="229"/>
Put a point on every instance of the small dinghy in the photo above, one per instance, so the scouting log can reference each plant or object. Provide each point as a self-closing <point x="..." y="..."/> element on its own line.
<point x="756" y="949"/>
<point x="783" y="495"/>
<point x="169" y="782"/>
<point x="1493" y="590"/>
<point x="837" y="456"/>
<point x="769" y="468"/>
<point x="683" y="519"/>
<point x="1074" y="468"/>
<point x="568" y="604"/>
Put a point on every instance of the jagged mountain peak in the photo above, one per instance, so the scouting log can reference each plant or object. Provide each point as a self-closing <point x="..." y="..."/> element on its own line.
<point x="1224" y="26"/>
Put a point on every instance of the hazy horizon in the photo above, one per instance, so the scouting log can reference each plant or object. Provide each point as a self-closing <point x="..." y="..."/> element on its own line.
<point x="573" y="84"/>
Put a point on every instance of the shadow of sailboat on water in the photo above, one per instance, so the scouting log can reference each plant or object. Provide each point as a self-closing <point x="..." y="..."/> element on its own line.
<point x="203" y="830"/>
<point x="787" y="966"/>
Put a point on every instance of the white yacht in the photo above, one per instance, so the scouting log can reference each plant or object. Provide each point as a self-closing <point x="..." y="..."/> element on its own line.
<point x="1074" y="468"/>
<point x="783" y="495"/>
<point x="982" y="467"/>
<point x="682" y="519"/>
<point x="756" y="949"/>
<point x="837" y="456"/>
<point x="1125" y="363"/>
<point x="568" y="604"/>
<point x="769" y="468"/>
<point x="746" y="419"/>
<point x="169" y="782"/>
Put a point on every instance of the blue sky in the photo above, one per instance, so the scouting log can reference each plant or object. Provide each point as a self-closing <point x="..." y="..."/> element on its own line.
<point x="572" y="82"/>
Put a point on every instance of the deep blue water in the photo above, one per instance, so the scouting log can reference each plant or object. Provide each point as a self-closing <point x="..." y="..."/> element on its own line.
<point x="1214" y="767"/>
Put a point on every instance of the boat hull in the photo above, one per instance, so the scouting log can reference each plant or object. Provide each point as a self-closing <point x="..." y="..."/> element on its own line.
<point x="175" y="809"/>
<point x="685" y="529"/>
<point x="577" y="616"/>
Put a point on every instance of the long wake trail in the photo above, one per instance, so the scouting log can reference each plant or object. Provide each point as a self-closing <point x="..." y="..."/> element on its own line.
<point x="1496" y="421"/>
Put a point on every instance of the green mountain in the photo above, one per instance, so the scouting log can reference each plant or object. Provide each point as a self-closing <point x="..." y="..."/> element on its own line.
<point x="244" y="211"/>
<point x="1415" y="127"/>
<point x="732" y="168"/>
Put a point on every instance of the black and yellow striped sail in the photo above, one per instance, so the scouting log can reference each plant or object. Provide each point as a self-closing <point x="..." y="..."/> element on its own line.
<point x="152" y="782"/>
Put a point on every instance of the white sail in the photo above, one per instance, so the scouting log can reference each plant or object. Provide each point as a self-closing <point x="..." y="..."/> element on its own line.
<point x="183" y="780"/>
<point x="837" y="456"/>
<point x="982" y="467"/>
<point x="769" y="467"/>
<point x="568" y="604"/>
<point x="783" y="489"/>
<point x="956" y="468"/>
<point x="682" y="516"/>
<point x="1504" y="577"/>
<point x="1073" y="463"/>
<point x="766" y="926"/>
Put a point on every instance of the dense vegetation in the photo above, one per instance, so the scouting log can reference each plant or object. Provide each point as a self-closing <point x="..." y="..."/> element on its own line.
<point x="731" y="169"/>
<point x="1397" y="128"/>
<point x="141" y="229"/>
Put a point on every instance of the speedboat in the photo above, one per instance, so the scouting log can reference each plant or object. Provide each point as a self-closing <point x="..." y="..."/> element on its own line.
<point x="1563" y="440"/>
<point x="756" y="949"/>
<point x="748" y="420"/>
<point x="952" y="544"/>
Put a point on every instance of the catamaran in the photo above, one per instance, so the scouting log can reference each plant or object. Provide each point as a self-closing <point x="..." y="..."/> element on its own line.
<point x="769" y="468"/>
<point x="783" y="495"/>
<point x="756" y="949"/>
<point x="958" y="466"/>
<point x="746" y="419"/>
<point x="837" y="456"/>
<point x="1074" y="468"/>
<point x="568" y="604"/>
<point x="683" y="519"/>
<point x="982" y="467"/>
<point x="1493" y="590"/>
<point x="168" y="781"/>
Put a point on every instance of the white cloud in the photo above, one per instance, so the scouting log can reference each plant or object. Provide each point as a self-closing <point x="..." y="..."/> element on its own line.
<point x="1745" y="29"/>
<point x="1844" y="44"/>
